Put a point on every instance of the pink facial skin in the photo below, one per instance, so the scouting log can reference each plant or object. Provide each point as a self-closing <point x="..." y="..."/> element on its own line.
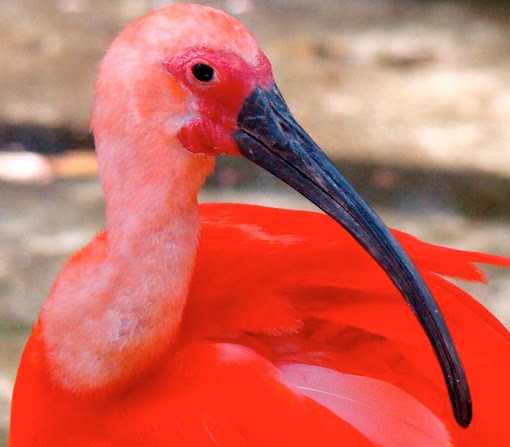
<point x="219" y="101"/>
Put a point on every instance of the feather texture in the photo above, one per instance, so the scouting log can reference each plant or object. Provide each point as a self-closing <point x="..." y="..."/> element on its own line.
<point x="272" y="289"/>
<point x="384" y="413"/>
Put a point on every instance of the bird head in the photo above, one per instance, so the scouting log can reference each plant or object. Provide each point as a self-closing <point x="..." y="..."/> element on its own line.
<point x="180" y="72"/>
<point x="192" y="80"/>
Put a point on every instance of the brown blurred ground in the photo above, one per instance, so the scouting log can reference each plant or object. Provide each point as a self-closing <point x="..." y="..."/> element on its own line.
<point x="410" y="98"/>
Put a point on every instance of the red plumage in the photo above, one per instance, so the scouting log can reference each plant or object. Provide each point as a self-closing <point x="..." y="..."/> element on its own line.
<point x="246" y="317"/>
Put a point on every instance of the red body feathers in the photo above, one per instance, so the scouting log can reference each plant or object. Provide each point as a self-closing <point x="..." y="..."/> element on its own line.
<point x="247" y="319"/>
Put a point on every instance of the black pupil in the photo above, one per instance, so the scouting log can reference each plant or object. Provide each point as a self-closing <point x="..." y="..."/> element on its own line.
<point x="203" y="72"/>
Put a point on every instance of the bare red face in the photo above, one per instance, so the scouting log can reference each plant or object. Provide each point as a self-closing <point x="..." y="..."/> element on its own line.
<point x="219" y="82"/>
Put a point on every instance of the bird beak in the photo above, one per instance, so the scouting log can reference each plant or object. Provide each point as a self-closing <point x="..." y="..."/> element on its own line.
<point x="269" y="136"/>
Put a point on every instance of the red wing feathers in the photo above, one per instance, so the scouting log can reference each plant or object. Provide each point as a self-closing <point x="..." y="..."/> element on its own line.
<point x="297" y="288"/>
<point x="291" y="335"/>
<point x="384" y="413"/>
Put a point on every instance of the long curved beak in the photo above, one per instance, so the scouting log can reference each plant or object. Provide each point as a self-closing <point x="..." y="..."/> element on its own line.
<point x="269" y="136"/>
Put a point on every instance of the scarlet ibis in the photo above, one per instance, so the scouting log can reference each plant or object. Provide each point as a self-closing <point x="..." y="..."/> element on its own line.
<point x="237" y="325"/>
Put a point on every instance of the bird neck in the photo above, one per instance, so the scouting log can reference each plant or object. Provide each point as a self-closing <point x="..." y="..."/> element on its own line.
<point x="125" y="292"/>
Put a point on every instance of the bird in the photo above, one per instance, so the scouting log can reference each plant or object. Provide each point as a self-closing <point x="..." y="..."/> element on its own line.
<point x="239" y="325"/>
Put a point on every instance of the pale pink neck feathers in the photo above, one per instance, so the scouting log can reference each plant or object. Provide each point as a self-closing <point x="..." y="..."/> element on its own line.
<point x="129" y="289"/>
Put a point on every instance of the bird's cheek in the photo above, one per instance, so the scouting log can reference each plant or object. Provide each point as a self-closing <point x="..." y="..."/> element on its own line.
<point x="204" y="137"/>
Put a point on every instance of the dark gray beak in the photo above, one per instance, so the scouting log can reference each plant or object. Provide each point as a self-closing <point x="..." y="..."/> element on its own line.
<point x="269" y="136"/>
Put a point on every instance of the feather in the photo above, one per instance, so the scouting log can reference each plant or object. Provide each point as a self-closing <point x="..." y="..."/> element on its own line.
<point x="382" y="412"/>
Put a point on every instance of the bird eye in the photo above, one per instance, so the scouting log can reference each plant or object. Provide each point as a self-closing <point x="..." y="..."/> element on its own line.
<point x="203" y="72"/>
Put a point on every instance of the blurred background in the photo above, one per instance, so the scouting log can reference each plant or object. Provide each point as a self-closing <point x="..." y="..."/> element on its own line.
<point x="410" y="98"/>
